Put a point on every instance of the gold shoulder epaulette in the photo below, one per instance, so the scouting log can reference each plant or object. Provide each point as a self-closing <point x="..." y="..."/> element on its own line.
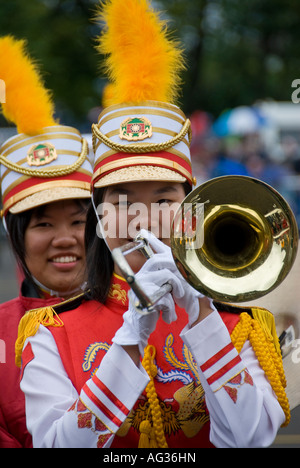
<point x="29" y="325"/>
<point x="259" y="328"/>
<point x="47" y="316"/>
<point x="263" y="316"/>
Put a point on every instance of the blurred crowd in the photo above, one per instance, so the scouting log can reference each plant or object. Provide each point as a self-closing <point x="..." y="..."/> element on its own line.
<point x="214" y="156"/>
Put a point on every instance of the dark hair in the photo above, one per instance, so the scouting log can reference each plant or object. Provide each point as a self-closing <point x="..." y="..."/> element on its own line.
<point x="100" y="265"/>
<point x="99" y="262"/>
<point x="17" y="224"/>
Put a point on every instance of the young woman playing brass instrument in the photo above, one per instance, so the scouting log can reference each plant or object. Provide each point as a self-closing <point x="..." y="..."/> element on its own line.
<point x="95" y="371"/>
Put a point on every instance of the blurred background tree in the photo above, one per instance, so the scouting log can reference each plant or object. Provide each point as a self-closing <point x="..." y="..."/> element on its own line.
<point x="60" y="37"/>
<point x="237" y="52"/>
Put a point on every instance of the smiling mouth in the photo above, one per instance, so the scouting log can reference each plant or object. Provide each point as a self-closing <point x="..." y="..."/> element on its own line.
<point x="65" y="259"/>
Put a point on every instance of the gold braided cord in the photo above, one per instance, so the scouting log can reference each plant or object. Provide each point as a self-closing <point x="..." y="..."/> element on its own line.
<point x="46" y="174"/>
<point x="241" y="331"/>
<point x="268" y="358"/>
<point x="142" y="147"/>
<point x="265" y="351"/>
<point x="156" y="414"/>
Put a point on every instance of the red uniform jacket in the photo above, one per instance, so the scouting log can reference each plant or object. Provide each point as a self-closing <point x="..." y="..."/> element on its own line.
<point x="87" y="335"/>
<point x="13" y="432"/>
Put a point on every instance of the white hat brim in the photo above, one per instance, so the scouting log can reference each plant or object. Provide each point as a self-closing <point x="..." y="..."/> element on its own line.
<point x="141" y="173"/>
<point x="44" y="197"/>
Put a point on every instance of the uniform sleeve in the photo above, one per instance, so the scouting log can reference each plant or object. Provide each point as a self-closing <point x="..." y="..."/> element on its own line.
<point x="57" y="416"/>
<point x="244" y="411"/>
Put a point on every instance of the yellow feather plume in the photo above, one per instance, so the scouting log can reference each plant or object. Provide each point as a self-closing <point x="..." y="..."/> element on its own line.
<point x="28" y="104"/>
<point x="142" y="61"/>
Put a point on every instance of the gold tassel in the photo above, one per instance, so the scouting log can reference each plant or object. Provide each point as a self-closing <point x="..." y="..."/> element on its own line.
<point x="153" y="443"/>
<point x="29" y="325"/>
<point x="145" y="429"/>
<point x="267" y="322"/>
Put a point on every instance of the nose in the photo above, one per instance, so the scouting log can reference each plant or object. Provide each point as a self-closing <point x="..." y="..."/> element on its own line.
<point x="144" y="218"/>
<point x="64" y="237"/>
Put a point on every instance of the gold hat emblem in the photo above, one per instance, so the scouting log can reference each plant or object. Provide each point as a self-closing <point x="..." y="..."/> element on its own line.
<point x="41" y="154"/>
<point x="135" y="129"/>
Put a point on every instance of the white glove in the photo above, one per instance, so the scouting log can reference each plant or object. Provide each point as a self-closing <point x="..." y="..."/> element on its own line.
<point x="187" y="297"/>
<point x="156" y="271"/>
<point x="137" y="327"/>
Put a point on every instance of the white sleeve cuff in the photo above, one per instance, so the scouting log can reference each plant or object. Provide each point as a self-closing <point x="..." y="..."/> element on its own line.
<point x="210" y="343"/>
<point x="112" y="392"/>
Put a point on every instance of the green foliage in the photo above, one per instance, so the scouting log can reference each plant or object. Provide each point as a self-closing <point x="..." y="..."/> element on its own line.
<point x="60" y="36"/>
<point x="238" y="51"/>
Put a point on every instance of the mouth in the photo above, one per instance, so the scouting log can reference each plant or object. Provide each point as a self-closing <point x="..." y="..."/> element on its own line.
<point x="64" y="259"/>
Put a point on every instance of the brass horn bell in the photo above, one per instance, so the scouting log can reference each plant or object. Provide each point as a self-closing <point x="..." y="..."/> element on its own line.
<point x="233" y="238"/>
<point x="248" y="239"/>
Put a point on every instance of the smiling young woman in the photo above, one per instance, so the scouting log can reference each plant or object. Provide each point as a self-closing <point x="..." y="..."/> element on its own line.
<point x="45" y="187"/>
<point x="49" y="244"/>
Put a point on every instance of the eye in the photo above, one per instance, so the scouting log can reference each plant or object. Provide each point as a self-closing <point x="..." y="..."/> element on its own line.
<point x="164" y="201"/>
<point x="122" y="203"/>
<point x="42" y="224"/>
<point x="79" y="222"/>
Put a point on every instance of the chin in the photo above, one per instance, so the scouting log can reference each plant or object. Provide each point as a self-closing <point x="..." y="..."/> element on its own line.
<point x="136" y="260"/>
